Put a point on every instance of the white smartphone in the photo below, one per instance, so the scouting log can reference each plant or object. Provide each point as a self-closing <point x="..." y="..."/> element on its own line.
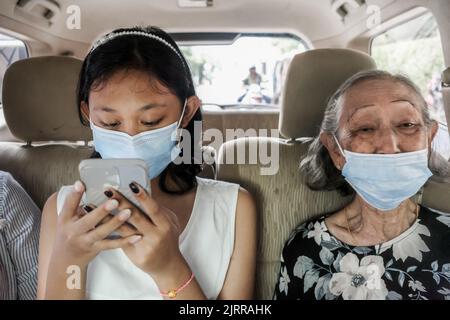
<point x="100" y="174"/>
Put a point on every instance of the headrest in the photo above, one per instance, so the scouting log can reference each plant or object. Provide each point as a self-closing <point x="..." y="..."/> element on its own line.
<point x="446" y="76"/>
<point x="312" y="78"/>
<point x="39" y="100"/>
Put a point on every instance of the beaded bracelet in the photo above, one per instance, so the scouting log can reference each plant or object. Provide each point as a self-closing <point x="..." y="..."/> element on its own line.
<point x="173" y="293"/>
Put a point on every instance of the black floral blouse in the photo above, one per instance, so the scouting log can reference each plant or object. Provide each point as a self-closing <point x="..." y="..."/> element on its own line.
<point x="413" y="266"/>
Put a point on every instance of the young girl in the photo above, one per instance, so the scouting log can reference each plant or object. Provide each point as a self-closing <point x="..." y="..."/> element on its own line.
<point x="194" y="239"/>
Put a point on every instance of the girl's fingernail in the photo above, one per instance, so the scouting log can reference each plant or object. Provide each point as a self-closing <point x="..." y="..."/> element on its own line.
<point x="134" y="188"/>
<point x="108" y="193"/>
<point x="111" y="204"/>
<point x="134" y="239"/>
<point x="124" y="215"/>
<point x="87" y="209"/>
<point x="78" y="186"/>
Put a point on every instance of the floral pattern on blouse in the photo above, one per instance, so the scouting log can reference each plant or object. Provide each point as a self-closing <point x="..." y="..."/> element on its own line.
<point x="414" y="266"/>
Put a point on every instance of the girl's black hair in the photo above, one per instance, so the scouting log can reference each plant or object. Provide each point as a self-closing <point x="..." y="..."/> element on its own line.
<point x="137" y="52"/>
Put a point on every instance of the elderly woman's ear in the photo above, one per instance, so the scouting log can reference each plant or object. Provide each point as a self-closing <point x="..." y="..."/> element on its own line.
<point x="330" y="143"/>
<point x="433" y="132"/>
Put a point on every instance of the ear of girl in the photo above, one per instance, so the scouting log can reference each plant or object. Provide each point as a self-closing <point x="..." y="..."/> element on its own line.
<point x="192" y="106"/>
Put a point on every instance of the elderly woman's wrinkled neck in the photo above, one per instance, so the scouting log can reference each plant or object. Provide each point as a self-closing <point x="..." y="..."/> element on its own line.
<point x="361" y="225"/>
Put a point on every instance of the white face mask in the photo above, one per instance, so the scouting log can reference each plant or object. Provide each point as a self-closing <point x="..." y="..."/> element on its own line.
<point x="384" y="181"/>
<point x="158" y="148"/>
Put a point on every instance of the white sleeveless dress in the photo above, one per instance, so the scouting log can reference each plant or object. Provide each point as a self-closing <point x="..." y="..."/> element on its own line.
<point x="206" y="243"/>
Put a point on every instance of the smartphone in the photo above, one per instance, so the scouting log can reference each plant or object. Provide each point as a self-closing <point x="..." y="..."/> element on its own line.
<point x="100" y="174"/>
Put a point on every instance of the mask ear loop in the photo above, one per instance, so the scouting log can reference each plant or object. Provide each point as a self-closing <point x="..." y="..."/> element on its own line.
<point x="182" y="114"/>
<point x="178" y="130"/>
<point x="339" y="146"/>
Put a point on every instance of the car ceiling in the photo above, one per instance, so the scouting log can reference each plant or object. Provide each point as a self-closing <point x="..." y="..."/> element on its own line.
<point x="314" y="20"/>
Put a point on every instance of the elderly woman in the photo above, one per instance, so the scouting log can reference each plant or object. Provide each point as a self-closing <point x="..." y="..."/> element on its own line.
<point x="374" y="143"/>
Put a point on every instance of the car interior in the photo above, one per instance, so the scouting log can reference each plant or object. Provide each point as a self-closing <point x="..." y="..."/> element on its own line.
<point x="317" y="45"/>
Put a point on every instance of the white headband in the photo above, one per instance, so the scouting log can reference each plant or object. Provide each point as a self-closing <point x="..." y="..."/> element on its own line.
<point x="112" y="36"/>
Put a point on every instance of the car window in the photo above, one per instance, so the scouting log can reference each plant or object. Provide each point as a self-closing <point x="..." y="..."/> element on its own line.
<point x="11" y="50"/>
<point x="248" y="72"/>
<point x="414" y="48"/>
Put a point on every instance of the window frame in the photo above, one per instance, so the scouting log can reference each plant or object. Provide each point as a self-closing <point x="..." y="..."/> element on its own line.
<point x="187" y="39"/>
<point x="410" y="16"/>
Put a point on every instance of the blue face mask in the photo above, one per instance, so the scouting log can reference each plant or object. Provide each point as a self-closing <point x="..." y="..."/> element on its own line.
<point x="384" y="181"/>
<point x="158" y="148"/>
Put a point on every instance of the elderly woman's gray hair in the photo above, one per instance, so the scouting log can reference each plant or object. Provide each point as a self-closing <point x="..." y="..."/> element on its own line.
<point x="317" y="167"/>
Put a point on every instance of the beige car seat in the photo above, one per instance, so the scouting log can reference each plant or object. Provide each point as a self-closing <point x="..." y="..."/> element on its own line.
<point x="39" y="102"/>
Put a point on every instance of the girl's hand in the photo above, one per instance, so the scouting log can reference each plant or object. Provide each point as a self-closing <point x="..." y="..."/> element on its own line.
<point x="79" y="237"/>
<point x="158" y="252"/>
